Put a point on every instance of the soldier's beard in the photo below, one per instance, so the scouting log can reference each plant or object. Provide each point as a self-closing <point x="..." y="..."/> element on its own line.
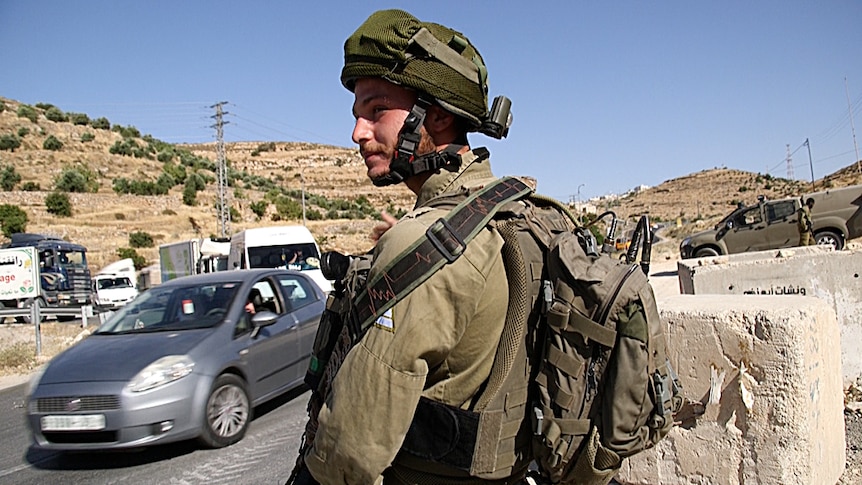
<point x="426" y="145"/>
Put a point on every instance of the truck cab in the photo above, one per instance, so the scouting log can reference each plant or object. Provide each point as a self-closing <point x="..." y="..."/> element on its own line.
<point x="115" y="285"/>
<point x="63" y="271"/>
<point x="289" y="247"/>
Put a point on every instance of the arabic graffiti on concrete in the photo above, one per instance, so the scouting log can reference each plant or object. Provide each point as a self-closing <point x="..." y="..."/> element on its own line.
<point x="776" y="290"/>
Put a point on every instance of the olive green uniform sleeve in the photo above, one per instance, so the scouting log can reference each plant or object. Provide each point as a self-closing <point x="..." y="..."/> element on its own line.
<point x="439" y="342"/>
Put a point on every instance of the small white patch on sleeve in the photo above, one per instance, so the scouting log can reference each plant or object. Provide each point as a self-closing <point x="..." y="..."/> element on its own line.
<point x="385" y="321"/>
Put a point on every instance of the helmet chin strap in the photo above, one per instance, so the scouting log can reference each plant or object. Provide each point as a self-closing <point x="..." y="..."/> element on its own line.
<point x="405" y="163"/>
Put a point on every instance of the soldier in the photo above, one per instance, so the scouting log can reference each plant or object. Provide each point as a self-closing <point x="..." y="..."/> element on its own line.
<point x="419" y="88"/>
<point x="806" y="234"/>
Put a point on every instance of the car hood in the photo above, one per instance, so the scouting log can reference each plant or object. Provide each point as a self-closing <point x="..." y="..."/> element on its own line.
<point x="118" y="357"/>
<point x="708" y="235"/>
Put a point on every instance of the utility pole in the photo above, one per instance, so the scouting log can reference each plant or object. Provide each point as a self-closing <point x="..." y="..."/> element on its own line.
<point x="789" y="164"/>
<point x="301" y="178"/>
<point x="223" y="205"/>
<point x="810" y="163"/>
<point x="852" y="128"/>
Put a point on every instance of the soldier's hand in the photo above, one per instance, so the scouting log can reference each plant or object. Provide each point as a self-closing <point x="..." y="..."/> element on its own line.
<point x="385" y="225"/>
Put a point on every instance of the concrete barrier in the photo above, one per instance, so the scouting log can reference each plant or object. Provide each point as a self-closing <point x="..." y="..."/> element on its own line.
<point x="765" y="368"/>
<point x="833" y="276"/>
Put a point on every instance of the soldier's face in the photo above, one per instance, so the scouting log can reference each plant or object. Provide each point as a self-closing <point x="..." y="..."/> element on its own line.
<point x="380" y="108"/>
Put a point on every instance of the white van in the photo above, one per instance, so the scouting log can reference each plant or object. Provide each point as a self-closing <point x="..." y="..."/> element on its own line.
<point x="290" y="247"/>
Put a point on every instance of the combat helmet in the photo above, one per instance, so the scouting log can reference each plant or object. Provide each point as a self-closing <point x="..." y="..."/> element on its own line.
<point x="441" y="65"/>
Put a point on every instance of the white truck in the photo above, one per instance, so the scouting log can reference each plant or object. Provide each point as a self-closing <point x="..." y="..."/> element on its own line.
<point x="193" y="256"/>
<point x="115" y="285"/>
<point x="289" y="247"/>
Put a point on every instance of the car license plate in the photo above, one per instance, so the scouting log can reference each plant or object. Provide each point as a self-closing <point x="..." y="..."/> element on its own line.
<point x="73" y="422"/>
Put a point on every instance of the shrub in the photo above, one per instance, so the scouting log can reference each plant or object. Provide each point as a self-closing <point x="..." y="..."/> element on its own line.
<point x="288" y="208"/>
<point x="9" y="178"/>
<point x="87" y="136"/>
<point x="166" y="182"/>
<point x="76" y="179"/>
<point x="190" y="195"/>
<point x="165" y="156"/>
<point x="20" y="355"/>
<point x="127" y="131"/>
<point x="9" y="142"/>
<point x="2" y="106"/>
<point x="127" y="147"/>
<point x="56" y="114"/>
<point x="101" y="124"/>
<point x="178" y="172"/>
<point x="140" y="239"/>
<point x="119" y="216"/>
<point x="58" y="203"/>
<point x="313" y="215"/>
<point x="31" y="187"/>
<point x="12" y="219"/>
<point x="52" y="143"/>
<point x="79" y="118"/>
<point x="26" y="111"/>
<point x="259" y="208"/>
<point x="168" y="212"/>
<point x="138" y="187"/>
<point x="137" y="259"/>
<point x="23" y="131"/>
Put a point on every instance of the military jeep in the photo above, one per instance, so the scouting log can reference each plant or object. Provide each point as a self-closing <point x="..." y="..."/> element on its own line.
<point x="772" y="224"/>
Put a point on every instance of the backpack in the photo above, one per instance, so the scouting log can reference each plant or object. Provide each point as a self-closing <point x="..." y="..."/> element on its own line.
<point x="603" y="387"/>
<point x="580" y="378"/>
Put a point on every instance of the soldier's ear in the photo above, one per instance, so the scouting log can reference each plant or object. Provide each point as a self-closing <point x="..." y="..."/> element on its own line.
<point x="438" y="120"/>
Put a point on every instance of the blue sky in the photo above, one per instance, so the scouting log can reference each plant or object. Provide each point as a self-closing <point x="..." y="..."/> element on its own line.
<point x="606" y="95"/>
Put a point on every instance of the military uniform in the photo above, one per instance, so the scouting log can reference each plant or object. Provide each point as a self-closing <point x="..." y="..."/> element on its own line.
<point x="804" y="226"/>
<point x="438" y="342"/>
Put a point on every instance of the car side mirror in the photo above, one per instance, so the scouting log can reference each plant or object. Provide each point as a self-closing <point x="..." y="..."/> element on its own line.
<point x="723" y="230"/>
<point x="263" y="318"/>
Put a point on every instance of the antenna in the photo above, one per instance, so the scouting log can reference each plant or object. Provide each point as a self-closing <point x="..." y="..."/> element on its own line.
<point x="852" y="128"/>
<point x="223" y="209"/>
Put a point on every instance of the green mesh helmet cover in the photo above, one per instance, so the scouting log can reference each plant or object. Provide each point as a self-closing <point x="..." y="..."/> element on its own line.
<point x="386" y="46"/>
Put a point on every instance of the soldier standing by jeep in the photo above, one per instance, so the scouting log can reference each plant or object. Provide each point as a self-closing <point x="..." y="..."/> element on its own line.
<point x="806" y="235"/>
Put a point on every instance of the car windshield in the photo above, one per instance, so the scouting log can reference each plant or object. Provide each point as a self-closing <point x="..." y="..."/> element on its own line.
<point x="110" y="283"/>
<point x="290" y="256"/>
<point x="171" y="308"/>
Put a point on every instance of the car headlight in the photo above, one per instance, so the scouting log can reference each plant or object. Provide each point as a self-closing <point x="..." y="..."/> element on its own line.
<point x="163" y="371"/>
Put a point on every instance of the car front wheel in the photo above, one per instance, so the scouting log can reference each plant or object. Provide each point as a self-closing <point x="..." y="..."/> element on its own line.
<point x="830" y="238"/>
<point x="227" y="412"/>
<point x="705" y="252"/>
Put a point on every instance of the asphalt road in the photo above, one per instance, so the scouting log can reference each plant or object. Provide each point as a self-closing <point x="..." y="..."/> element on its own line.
<point x="265" y="456"/>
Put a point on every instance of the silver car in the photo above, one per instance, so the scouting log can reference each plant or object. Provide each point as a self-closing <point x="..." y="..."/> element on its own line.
<point x="186" y="359"/>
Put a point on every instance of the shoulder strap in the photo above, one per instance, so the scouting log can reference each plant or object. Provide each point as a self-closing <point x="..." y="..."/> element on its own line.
<point x="444" y="242"/>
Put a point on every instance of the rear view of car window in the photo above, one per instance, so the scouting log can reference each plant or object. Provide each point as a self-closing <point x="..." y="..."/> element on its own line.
<point x="297" y="291"/>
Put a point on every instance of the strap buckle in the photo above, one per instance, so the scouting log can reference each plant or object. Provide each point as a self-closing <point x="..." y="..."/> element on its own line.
<point x="444" y="242"/>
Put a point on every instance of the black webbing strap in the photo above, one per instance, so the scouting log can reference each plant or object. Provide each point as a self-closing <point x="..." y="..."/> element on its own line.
<point x="443" y="243"/>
